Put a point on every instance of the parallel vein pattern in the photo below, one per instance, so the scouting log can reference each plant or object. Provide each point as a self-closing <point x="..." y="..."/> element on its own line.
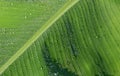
<point x="19" y="20"/>
<point x="85" y="41"/>
<point x="43" y="28"/>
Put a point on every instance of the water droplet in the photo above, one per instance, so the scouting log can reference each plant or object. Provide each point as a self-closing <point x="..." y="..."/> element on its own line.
<point x="13" y="32"/>
<point x="41" y="68"/>
<point x="30" y="13"/>
<point x="55" y="74"/>
<point x="96" y="37"/>
<point x="25" y="17"/>
<point x="11" y="43"/>
<point x="11" y="4"/>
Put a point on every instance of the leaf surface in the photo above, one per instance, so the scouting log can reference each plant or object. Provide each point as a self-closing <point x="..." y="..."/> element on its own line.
<point x="60" y="38"/>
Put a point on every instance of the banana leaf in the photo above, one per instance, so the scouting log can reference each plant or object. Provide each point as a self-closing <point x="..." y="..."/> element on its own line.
<point x="59" y="37"/>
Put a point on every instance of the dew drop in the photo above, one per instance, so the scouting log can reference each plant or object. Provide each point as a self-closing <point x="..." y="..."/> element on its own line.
<point x="55" y="74"/>
<point x="30" y="13"/>
<point x="11" y="43"/>
<point x="13" y="32"/>
<point x="96" y="37"/>
<point x="41" y="68"/>
<point x="25" y="17"/>
<point x="11" y="4"/>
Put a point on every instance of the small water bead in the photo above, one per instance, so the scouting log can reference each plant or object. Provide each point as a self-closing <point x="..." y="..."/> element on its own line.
<point x="11" y="4"/>
<point x="96" y="36"/>
<point x="41" y="68"/>
<point x="25" y="17"/>
<point x="55" y="74"/>
<point x="13" y="32"/>
<point x="30" y="13"/>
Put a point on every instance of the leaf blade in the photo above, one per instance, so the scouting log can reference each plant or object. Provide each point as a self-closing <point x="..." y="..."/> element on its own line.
<point x="67" y="6"/>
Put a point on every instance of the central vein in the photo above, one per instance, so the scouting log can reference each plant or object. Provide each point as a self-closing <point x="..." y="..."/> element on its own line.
<point x="48" y="24"/>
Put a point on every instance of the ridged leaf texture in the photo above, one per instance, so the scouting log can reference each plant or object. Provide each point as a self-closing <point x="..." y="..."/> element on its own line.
<point x="59" y="38"/>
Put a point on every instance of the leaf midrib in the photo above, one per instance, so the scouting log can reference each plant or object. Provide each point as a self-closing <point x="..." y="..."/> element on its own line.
<point x="48" y="24"/>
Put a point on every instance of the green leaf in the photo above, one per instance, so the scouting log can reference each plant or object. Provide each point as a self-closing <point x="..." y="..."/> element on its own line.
<point x="59" y="38"/>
